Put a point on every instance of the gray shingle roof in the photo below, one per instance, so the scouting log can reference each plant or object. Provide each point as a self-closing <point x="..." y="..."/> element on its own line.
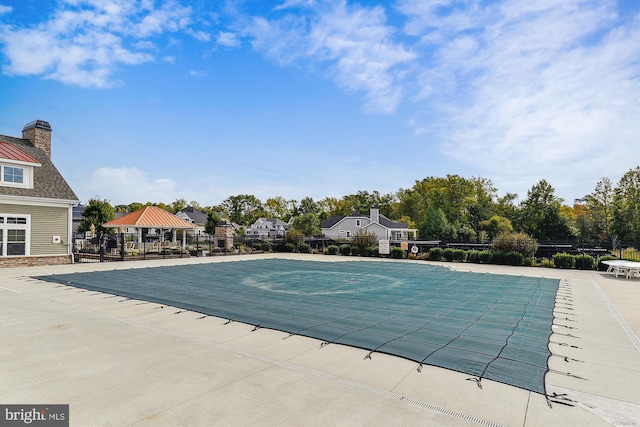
<point x="48" y="183"/>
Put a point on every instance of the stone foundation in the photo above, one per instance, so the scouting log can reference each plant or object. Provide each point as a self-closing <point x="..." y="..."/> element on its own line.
<point x="33" y="261"/>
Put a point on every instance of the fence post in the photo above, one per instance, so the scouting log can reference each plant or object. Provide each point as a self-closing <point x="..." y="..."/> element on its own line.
<point x="101" y="241"/>
<point x="122" y="247"/>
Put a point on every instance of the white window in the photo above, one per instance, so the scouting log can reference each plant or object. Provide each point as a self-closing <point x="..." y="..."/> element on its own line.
<point x="11" y="174"/>
<point x="358" y="223"/>
<point x="14" y="234"/>
<point x="348" y="233"/>
<point x="16" y="176"/>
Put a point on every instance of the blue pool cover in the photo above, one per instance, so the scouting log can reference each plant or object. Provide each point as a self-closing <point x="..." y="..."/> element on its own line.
<point x="489" y="326"/>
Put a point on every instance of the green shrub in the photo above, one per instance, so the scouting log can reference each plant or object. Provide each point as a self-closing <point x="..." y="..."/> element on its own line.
<point x="396" y="252"/>
<point x="459" y="255"/>
<point x="473" y="256"/>
<point x="546" y="262"/>
<point x="332" y="249"/>
<point x="366" y="251"/>
<point x="564" y="260"/>
<point x="484" y="256"/>
<point x="499" y="257"/>
<point x="257" y="246"/>
<point x="345" y="249"/>
<point x="266" y="246"/>
<point x="584" y="262"/>
<point x="304" y="248"/>
<point x="375" y="251"/>
<point x="514" y="258"/>
<point x="435" y="254"/>
<point x="447" y="254"/>
<point x="355" y="251"/>
<point x="519" y="242"/>
<point x="290" y="247"/>
<point x="530" y="262"/>
<point x="605" y="267"/>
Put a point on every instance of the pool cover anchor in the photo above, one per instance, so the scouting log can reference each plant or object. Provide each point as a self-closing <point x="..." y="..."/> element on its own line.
<point x="560" y="399"/>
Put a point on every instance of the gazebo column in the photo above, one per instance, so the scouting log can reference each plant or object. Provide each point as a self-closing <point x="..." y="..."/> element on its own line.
<point x="184" y="238"/>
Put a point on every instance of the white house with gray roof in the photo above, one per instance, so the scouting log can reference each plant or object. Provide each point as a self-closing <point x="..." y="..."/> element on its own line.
<point x="36" y="203"/>
<point x="267" y="228"/>
<point x="344" y="227"/>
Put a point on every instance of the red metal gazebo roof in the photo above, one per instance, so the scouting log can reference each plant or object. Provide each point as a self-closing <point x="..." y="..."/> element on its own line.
<point x="149" y="217"/>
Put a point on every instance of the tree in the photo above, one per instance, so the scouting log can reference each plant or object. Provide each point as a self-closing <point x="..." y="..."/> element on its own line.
<point x="308" y="224"/>
<point x="177" y="205"/>
<point x="495" y="225"/>
<point x="243" y="209"/>
<point x="435" y="226"/>
<point x="96" y="213"/>
<point x="626" y="206"/>
<point x="600" y="209"/>
<point x="212" y="220"/>
<point x="279" y="207"/>
<point x="296" y="237"/>
<point x="540" y="215"/>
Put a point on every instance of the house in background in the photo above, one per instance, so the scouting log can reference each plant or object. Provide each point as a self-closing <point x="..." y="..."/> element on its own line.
<point x="344" y="227"/>
<point x="267" y="228"/>
<point x="36" y="203"/>
<point x="194" y="216"/>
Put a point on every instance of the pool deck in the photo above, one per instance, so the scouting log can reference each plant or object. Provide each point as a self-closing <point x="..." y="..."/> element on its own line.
<point x="126" y="362"/>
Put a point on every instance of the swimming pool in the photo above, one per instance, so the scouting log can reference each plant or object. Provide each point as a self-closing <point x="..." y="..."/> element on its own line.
<point x="489" y="326"/>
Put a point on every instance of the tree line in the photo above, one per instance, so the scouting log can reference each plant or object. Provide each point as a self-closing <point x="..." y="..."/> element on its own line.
<point x="451" y="208"/>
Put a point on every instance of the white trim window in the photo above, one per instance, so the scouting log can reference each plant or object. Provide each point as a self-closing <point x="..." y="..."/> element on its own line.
<point x="14" y="234"/>
<point x="358" y="223"/>
<point x="13" y="175"/>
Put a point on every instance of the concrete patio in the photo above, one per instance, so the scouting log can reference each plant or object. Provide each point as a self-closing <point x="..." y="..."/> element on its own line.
<point x="127" y="362"/>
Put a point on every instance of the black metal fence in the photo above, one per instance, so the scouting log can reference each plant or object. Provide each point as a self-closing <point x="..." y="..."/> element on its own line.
<point x="106" y="247"/>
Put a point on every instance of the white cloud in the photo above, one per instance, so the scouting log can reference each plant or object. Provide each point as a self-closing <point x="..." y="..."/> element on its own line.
<point x="5" y="9"/>
<point x="126" y="185"/>
<point x="531" y="90"/>
<point x="354" y="41"/>
<point x="227" y="39"/>
<point x="197" y="73"/>
<point x="85" y="41"/>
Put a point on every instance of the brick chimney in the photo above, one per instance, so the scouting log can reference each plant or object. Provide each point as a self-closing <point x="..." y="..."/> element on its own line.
<point x="39" y="133"/>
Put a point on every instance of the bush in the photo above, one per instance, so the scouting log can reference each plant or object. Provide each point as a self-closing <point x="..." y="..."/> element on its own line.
<point x="396" y="252"/>
<point x="564" y="260"/>
<point x="266" y="246"/>
<point x="290" y="247"/>
<point x="519" y="242"/>
<point x="304" y="248"/>
<point x="546" y="262"/>
<point x="447" y="254"/>
<point x="257" y="246"/>
<point x="514" y="258"/>
<point x="355" y="251"/>
<point x="332" y="249"/>
<point x="605" y="267"/>
<point x="484" y="256"/>
<point x="473" y="256"/>
<point x="498" y="257"/>
<point x="584" y="262"/>
<point x="367" y="251"/>
<point x="345" y="249"/>
<point x="459" y="255"/>
<point x="435" y="254"/>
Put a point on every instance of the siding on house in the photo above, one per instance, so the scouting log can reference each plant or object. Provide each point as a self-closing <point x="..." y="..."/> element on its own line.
<point x="46" y="222"/>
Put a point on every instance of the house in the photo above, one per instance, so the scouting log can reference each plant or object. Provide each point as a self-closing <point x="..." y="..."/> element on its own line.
<point x="195" y="216"/>
<point x="344" y="227"/>
<point x="267" y="228"/>
<point x="36" y="203"/>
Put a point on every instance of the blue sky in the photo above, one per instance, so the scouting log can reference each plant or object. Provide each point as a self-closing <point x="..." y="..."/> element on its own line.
<point x="160" y="100"/>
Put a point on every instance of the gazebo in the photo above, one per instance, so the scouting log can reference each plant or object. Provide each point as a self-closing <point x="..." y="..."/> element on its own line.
<point x="151" y="217"/>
